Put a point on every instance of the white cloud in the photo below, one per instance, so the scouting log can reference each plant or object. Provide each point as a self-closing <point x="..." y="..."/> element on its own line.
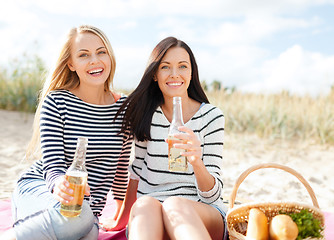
<point x="153" y="8"/>
<point x="175" y="26"/>
<point x="127" y="25"/>
<point x="296" y="70"/>
<point x="226" y="36"/>
<point x="19" y="32"/>
<point x="254" y="29"/>
<point x="130" y="65"/>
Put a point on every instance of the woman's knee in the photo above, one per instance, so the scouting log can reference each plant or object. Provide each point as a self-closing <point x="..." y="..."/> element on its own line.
<point x="145" y="205"/>
<point x="73" y="228"/>
<point x="145" y="202"/>
<point x="175" y="203"/>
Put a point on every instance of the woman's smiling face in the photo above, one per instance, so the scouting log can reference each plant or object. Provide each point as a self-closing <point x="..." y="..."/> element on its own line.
<point x="90" y="59"/>
<point x="174" y="73"/>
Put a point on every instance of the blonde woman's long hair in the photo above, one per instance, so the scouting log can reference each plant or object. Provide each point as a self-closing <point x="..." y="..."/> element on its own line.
<point x="63" y="78"/>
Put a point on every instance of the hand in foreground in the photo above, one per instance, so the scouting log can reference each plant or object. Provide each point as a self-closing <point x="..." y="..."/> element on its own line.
<point x="191" y="144"/>
<point x="109" y="224"/>
<point x="62" y="191"/>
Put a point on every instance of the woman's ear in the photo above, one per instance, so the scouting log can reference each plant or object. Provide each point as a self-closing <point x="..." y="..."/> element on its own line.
<point x="70" y="66"/>
<point x="155" y="78"/>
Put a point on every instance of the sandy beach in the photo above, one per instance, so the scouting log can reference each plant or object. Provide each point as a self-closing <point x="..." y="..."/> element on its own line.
<point x="313" y="161"/>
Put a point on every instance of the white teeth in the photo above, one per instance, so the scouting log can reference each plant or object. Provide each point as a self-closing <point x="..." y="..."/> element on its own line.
<point x="175" y="84"/>
<point x="95" y="71"/>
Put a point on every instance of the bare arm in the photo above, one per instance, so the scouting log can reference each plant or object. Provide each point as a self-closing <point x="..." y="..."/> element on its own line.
<point x="111" y="224"/>
<point x="119" y="204"/>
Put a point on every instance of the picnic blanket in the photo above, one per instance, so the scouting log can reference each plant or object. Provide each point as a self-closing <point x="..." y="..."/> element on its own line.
<point x="6" y="220"/>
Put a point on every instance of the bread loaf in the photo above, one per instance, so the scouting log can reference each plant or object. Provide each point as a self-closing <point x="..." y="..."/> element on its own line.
<point x="257" y="228"/>
<point x="282" y="227"/>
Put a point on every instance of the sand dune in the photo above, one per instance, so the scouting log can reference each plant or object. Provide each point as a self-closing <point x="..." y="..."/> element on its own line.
<point x="314" y="162"/>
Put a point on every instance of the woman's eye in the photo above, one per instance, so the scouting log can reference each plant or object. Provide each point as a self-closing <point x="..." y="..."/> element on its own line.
<point x="183" y="66"/>
<point x="102" y="52"/>
<point x="83" y="55"/>
<point x="164" y="67"/>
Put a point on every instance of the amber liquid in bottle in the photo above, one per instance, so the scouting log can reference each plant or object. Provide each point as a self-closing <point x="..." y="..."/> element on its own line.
<point x="77" y="176"/>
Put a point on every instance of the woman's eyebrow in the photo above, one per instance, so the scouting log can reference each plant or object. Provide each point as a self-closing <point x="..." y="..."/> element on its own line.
<point x="85" y="50"/>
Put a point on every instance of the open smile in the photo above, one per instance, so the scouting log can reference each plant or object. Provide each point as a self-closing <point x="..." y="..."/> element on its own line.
<point x="174" y="84"/>
<point x="96" y="71"/>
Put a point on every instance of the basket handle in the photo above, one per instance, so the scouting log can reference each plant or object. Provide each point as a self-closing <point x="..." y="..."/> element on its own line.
<point x="271" y="165"/>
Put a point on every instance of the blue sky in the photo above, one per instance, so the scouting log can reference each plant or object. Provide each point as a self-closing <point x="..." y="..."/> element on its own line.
<point x="254" y="45"/>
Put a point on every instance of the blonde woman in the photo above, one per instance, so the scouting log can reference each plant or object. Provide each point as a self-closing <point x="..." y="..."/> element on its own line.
<point x="76" y="101"/>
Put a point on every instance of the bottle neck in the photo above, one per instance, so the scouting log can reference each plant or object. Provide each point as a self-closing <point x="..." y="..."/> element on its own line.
<point x="80" y="155"/>
<point x="79" y="158"/>
<point x="177" y="117"/>
<point x="177" y="114"/>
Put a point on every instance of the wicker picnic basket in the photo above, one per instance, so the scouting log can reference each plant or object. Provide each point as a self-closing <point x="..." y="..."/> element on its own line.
<point x="237" y="217"/>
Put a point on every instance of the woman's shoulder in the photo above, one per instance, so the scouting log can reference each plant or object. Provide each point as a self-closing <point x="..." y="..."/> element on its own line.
<point x="210" y="110"/>
<point x="120" y="97"/>
<point x="210" y="115"/>
<point x="60" y="97"/>
<point x="60" y="93"/>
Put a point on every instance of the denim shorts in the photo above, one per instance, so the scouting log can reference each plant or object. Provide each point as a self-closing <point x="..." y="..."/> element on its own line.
<point x="223" y="213"/>
<point x="36" y="215"/>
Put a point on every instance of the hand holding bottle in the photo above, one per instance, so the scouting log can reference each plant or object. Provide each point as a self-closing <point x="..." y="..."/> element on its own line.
<point x="62" y="191"/>
<point x="70" y="189"/>
<point x="191" y="145"/>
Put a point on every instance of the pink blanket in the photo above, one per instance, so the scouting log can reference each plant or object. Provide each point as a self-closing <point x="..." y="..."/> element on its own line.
<point x="6" y="220"/>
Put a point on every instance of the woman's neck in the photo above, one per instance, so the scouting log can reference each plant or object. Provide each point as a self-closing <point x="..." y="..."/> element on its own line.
<point x="189" y="108"/>
<point x="94" y="95"/>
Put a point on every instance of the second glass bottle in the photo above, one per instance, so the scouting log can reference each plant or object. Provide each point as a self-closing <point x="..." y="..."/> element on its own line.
<point x="176" y="162"/>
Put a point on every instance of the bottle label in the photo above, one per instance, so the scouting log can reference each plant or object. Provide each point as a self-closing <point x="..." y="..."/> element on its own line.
<point x="176" y="162"/>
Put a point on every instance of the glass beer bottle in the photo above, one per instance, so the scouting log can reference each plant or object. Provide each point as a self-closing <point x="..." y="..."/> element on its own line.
<point x="176" y="162"/>
<point x="76" y="175"/>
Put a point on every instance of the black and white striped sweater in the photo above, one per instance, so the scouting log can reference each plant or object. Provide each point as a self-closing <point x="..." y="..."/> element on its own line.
<point x="150" y="165"/>
<point x="65" y="117"/>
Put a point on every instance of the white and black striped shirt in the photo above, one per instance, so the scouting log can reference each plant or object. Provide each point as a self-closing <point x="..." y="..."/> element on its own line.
<point x="150" y="165"/>
<point x="64" y="118"/>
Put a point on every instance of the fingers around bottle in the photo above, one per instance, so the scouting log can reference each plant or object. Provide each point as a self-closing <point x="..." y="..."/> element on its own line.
<point x="63" y="197"/>
<point x="61" y="191"/>
<point x="185" y="129"/>
<point x="87" y="190"/>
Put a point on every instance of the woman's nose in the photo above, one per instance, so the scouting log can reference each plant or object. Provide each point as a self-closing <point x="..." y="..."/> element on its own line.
<point x="174" y="73"/>
<point x="94" y="59"/>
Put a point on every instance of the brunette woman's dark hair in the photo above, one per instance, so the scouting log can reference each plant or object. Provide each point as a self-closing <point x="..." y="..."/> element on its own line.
<point x="144" y="100"/>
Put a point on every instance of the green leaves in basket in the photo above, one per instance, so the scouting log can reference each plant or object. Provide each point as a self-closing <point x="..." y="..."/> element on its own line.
<point x="308" y="226"/>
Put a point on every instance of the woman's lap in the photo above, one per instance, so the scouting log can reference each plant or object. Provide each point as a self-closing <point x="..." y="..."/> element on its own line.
<point x="36" y="215"/>
<point x="216" y="209"/>
<point x="212" y="216"/>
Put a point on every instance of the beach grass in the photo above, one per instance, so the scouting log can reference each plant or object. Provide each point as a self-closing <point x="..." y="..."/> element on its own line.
<point x="276" y="116"/>
<point x="20" y="85"/>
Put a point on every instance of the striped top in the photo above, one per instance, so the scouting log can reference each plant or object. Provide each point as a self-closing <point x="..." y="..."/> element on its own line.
<point x="150" y="165"/>
<point x="65" y="117"/>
